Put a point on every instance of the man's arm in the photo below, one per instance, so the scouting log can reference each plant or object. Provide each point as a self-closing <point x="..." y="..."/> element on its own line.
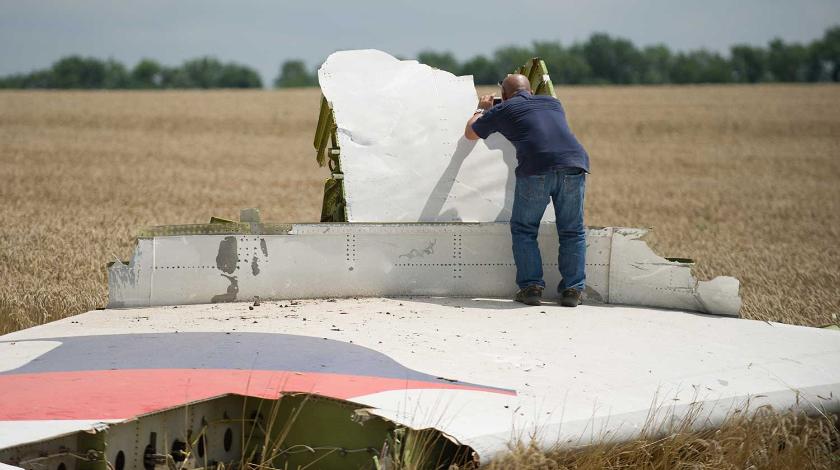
<point x="485" y="103"/>
<point x="469" y="133"/>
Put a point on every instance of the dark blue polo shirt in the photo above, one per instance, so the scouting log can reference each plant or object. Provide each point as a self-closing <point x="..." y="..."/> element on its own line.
<point x="536" y="125"/>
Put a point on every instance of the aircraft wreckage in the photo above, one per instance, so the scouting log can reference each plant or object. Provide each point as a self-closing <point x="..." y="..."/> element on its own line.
<point x="407" y="345"/>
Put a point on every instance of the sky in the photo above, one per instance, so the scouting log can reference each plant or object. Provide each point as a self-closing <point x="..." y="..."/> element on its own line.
<point x="263" y="33"/>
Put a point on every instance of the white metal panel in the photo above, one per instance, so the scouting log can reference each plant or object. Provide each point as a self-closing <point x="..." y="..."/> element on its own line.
<point x="130" y="284"/>
<point x="344" y="260"/>
<point x="573" y="370"/>
<point x="598" y="250"/>
<point x="403" y="151"/>
<point x="19" y="432"/>
<point x="213" y="417"/>
<point x="14" y="355"/>
<point x="638" y="276"/>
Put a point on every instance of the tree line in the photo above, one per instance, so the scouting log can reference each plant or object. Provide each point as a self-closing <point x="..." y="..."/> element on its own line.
<point x="601" y="59"/>
<point x="76" y="72"/>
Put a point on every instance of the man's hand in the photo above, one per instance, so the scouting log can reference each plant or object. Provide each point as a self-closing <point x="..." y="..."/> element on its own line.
<point x="486" y="102"/>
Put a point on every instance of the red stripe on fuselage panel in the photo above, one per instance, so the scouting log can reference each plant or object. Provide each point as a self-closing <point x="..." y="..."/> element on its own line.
<point x="123" y="394"/>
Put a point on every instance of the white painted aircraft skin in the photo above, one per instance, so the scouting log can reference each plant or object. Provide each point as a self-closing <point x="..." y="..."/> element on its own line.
<point x="386" y="260"/>
<point x="574" y="370"/>
<point x="403" y="151"/>
<point x="13" y="433"/>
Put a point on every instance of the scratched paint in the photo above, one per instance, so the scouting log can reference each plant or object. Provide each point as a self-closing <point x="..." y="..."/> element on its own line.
<point x="230" y="294"/>
<point x="255" y="266"/>
<point x="593" y="295"/>
<point x="415" y="253"/>
<point x="620" y="267"/>
<point x="227" y="258"/>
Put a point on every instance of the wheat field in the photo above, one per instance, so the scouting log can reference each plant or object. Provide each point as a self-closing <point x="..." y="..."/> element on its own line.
<point x="744" y="179"/>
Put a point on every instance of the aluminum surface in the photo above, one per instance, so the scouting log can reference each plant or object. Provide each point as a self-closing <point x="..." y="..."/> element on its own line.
<point x="574" y="374"/>
<point x="403" y="151"/>
<point x="347" y="260"/>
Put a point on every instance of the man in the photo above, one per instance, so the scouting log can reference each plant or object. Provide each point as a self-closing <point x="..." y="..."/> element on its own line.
<point x="552" y="165"/>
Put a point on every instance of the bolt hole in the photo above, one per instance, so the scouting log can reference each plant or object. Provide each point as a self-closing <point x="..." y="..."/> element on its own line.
<point x="228" y="442"/>
<point x="202" y="440"/>
<point x="149" y="452"/>
<point x="148" y="458"/>
<point x="179" y="450"/>
<point x="119" y="462"/>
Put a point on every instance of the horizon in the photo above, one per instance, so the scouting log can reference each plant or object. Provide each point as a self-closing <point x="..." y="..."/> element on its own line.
<point x="36" y="35"/>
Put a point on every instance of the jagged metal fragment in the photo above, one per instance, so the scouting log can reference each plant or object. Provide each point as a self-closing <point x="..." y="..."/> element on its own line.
<point x="344" y="260"/>
<point x="485" y="371"/>
<point x="403" y="151"/>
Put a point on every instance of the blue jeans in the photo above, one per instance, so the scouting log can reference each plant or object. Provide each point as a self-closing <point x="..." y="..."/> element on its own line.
<point x="565" y="187"/>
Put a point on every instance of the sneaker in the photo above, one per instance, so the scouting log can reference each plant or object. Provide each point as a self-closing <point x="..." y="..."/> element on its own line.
<point x="570" y="298"/>
<point x="530" y="295"/>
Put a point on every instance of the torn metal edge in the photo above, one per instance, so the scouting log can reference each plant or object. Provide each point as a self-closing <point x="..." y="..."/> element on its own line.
<point x="360" y="414"/>
<point x="636" y="274"/>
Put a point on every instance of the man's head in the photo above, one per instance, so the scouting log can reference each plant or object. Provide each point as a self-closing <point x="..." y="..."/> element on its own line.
<point x="513" y="84"/>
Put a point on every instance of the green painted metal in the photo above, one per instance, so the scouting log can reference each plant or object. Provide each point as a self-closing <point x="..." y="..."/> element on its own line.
<point x="334" y="164"/>
<point x="300" y="429"/>
<point x="546" y="87"/>
<point x="537" y="73"/>
<point x="424" y="449"/>
<point x="322" y="147"/>
<point x="294" y="431"/>
<point x="92" y="446"/>
<point x="333" y="208"/>
<point x="227" y="228"/>
<point x="310" y="431"/>
<point x="322" y="122"/>
<point x="325" y="133"/>
<point x="327" y="151"/>
<point x="534" y="75"/>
